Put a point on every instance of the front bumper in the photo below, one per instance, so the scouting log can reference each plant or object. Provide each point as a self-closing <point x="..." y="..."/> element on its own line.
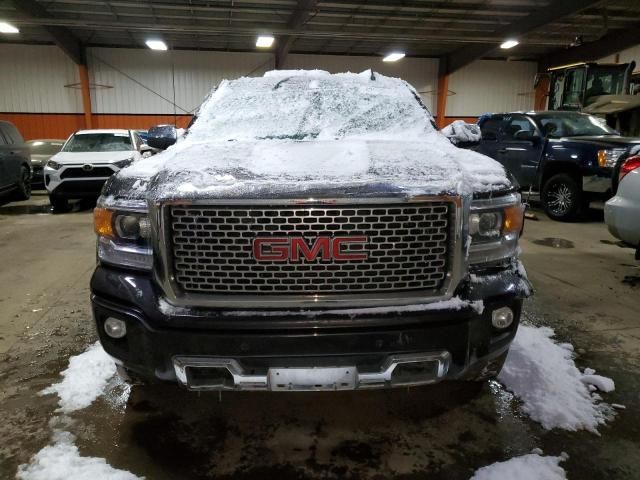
<point x="317" y="350"/>
<point x="58" y="182"/>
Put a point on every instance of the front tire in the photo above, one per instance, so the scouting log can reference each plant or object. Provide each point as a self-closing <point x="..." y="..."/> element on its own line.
<point x="58" y="205"/>
<point x="23" y="191"/>
<point x="562" y="197"/>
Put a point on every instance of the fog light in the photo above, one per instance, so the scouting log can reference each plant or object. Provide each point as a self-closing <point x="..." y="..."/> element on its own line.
<point x="502" y="318"/>
<point x="115" y="327"/>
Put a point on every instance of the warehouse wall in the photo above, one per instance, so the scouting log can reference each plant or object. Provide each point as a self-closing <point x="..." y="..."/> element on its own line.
<point x="625" y="56"/>
<point x="141" y="81"/>
<point x="491" y="86"/>
<point x="134" y="87"/>
<point x="33" y="79"/>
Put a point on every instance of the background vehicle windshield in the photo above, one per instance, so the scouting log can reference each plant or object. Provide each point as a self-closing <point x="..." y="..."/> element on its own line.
<point x="556" y="125"/>
<point x="99" y="142"/>
<point x="39" y="147"/>
<point x="318" y="105"/>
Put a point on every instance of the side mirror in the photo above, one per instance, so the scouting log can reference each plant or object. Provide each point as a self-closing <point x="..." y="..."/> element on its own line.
<point x="146" y="151"/>
<point x="463" y="134"/>
<point x="162" y="136"/>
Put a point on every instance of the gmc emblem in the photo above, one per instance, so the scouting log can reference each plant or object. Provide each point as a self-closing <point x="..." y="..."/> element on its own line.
<point x="294" y="249"/>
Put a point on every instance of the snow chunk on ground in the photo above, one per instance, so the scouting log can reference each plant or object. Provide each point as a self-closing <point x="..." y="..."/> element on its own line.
<point x="84" y="380"/>
<point x="526" y="467"/>
<point x="543" y="375"/>
<point x="604" y="384"/>
<point x="62" y="461"/>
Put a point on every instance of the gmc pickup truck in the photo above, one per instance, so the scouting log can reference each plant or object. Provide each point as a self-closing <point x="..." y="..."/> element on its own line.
<point x="309" y="231"/>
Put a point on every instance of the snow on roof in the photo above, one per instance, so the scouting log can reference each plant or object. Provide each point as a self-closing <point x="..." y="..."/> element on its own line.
<point x="311" y="130"/>
<point x="103" y="130"/>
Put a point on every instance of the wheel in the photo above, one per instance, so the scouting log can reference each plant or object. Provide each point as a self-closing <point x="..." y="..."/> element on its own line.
<point x="562" y="197"/>
<point x="58" y="204"/>
<point x="23" y="191"/>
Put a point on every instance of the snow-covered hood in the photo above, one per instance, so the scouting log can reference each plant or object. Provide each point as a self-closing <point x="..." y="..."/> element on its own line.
<point x="275" y="168"/>
<point x="94" y="158"/>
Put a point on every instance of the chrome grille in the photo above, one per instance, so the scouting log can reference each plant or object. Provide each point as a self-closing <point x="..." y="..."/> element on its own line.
<point x="407" y="248"/>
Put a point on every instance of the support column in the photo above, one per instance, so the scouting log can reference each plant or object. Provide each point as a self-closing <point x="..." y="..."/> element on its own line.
<point x="86" y="96"/>
<point x="441" y="105"/>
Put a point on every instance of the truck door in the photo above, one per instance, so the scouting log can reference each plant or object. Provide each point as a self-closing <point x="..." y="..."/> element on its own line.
<point x="521" y="148"/>
<point x="5" y="153"/>
<point x="14" y="154"/>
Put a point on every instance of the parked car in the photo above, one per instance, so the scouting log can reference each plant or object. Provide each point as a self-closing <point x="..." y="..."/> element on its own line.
<point x="15" y="164"/>
<point x="568" y="157"/>
<point x="41" y="151"/>
<point x="622" y="212"/>
<point x="144" y="134"/>
<point x="87" y="159"/>
<point x="310" y="232"/>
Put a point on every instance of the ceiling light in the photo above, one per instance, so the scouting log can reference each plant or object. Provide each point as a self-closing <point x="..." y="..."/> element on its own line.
<point x="7" y="28"/>
<point x="393" y="57"/>
<point x="264" y="41"/>
<point x="156" y="45"/>
<point x="509" y="44"/>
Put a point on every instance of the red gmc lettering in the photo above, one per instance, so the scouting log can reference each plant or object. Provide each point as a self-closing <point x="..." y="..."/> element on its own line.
<point x="338" y="242"/>
<point x="294" y="249"/>
<point x="277" y="251"/>
<point x="300" y="245"/>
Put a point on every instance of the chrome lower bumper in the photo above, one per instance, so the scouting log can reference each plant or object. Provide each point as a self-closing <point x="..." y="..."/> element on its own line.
<point x="210" y="373"/>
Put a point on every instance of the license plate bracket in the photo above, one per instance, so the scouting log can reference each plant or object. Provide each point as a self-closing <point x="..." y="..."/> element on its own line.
<point x="313" y="378"/>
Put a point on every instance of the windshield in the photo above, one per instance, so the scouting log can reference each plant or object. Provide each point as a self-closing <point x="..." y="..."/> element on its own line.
<point x="40" y="147"/>
<point x="556" y="125"/>
<point x="99" y="142"/>
<point x="306" y="105"/>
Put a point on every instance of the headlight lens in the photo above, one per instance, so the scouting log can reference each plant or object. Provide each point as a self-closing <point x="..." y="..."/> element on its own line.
<point x="123" y="238"/>
<point x="53" y="164"/>
<point x="485" y="225"/>
<point x="124" y="163"/>
<point x="609" y="157"/>
<point x="494" y="229"/>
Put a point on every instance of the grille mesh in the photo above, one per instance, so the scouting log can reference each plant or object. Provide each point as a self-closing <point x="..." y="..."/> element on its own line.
<point x="407" y="248"/>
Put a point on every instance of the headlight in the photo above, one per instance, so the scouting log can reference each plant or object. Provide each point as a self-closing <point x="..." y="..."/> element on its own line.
<point x="494" y="228"/>
<point x="610" y="156"/>
<point x="123" y="238"/>
<point x="124" y="163"/>
<point x="53" y="164"/>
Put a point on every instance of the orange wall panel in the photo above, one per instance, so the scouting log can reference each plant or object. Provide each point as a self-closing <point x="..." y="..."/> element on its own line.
<point x="46" y="125"/>
<point x="61" y="125"/>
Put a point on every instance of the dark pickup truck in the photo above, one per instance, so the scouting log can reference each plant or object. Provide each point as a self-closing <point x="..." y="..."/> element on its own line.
<point x="309" y="232"/>
<point x="568" y="157"/>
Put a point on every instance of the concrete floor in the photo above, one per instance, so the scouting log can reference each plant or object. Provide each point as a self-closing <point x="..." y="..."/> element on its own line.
<point x="587" y="288"/>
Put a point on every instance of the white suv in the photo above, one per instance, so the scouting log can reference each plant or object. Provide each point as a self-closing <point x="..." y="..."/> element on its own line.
<point x="87" y="159"/>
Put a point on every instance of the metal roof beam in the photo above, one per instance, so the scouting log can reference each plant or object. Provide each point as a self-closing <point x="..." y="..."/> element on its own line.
<point x="613" y="42"/>
<point x="298" y="18"/>
<point x="534" y="20"/>
<point x="62" y="37"/>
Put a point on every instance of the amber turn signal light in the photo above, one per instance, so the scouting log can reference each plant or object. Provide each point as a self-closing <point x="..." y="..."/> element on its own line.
<point x="513" y="219"/>
<point x="103" y="222"/>
<point x="602" y="158"/>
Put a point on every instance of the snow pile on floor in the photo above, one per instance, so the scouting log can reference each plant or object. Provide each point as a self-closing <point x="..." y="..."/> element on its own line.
<point x="84" y="380"/>
<point x="526" y="467"/>
<point x="553" y="391"/>
<point x="62" y="461"/>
